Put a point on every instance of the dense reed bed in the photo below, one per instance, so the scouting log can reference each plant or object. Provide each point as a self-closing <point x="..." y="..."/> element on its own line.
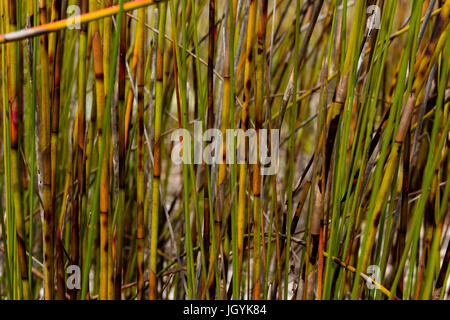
<point x="100" y="100"/>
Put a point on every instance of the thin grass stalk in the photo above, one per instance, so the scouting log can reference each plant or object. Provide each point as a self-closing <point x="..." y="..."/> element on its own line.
<point x="45" y="107"/>
<point x="122" y="170"/>
<point x="194" y="172"/>
<point x="81" y="123"/>
<point x="221" y="184"/>
<point x="106" y="41"/>
<point x="184" y="123"/>
<point x="112" y="192"/>
<point x="130" y="95"/>
<point x="33" y="7"/>
<point x="104" y="182"/>
<point x="12" y="53"/>
<point x="10" y="247"/>
<point x="258" y="226"/>
<point x="229" y="54"/>
<point x="291" y="90"/>
<point x="9" y="242"/>
<point x="140" y="159"/>
<point x="244" y="126"/>
<point x="56" y="84"/>
<point x="159" y="75"/>
<point x="208" y="209"/>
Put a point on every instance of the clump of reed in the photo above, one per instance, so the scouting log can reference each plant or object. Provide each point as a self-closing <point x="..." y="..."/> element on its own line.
<point x="94" y="207"/>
